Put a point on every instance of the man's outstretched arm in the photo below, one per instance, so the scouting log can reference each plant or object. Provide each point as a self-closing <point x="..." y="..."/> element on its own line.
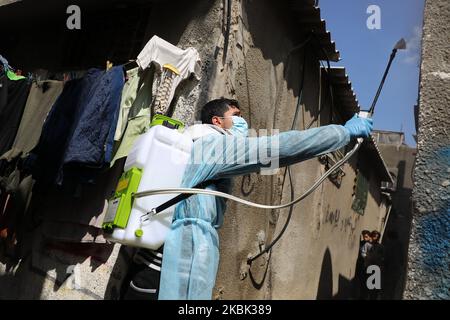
<point x="252" y="154"/>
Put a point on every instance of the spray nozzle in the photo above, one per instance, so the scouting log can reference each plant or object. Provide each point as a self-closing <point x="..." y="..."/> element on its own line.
<point x="400" y="45"/>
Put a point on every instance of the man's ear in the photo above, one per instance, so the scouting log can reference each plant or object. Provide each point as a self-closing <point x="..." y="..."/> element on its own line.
<point x="216" y="121"/>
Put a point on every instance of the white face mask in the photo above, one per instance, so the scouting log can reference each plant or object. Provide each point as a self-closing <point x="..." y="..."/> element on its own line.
<point x="240" y="126"/>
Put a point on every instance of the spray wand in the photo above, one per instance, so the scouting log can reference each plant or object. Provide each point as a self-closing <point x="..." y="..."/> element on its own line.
<point x="399" y="45"/>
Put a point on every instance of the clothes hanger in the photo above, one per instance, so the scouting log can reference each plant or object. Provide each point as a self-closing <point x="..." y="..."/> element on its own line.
<point x="109" y="65"/>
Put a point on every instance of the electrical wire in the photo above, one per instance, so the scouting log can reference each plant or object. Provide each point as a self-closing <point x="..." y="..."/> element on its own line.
<point x="227" y="35"/>
<point x="288" y="169"/>
<point x="328" y="73"/>
<point x="286" y="224"/>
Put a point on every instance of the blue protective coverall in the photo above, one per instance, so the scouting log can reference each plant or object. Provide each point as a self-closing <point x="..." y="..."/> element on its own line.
<point x="191" y="249"/>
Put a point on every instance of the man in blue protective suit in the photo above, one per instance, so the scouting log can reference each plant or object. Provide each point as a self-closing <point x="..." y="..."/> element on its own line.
<point x="191" y="249"/>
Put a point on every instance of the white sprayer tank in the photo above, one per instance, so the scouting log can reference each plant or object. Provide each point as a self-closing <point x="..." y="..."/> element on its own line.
<point x="162" y="154"/>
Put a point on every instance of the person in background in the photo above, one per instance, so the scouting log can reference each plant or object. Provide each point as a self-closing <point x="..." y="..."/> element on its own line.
<point x="364" y="246"/>
<point x="366" y="243"/>
<point x="375" y="256"/>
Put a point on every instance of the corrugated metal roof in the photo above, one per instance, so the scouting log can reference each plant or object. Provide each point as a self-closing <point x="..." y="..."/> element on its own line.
<point x="347" y="103"/>
<point x="344" y="96"/>
<point x="371" y="146"/>
<point x="307" y="16"/>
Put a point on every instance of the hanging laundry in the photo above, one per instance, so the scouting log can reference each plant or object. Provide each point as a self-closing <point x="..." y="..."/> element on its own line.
<point x="4" y="199"/>
<point x="136" y="126"/>
<point x="136" y="95"/>
<point x="3" y="91"/>
<point x="174" y="65"/>
<point x="41" y="98"/>
<point x="12" y="222"/>
<point x="4" y="62"/>
<point x="43" y="95"/>
<point x="13" y="96"/>
<point x="77" y="137"/>
<point x="45" y="159"/>
<point x="135" y="114"/>
<point x="91" y="144"/>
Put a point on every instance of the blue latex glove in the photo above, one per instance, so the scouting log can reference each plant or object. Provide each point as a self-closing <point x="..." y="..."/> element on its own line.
<point x="359" y="127"/>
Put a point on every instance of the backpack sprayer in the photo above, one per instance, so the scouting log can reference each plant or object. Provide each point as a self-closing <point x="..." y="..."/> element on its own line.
<point x="183" y="193"/>
<point x="157" y="160"/>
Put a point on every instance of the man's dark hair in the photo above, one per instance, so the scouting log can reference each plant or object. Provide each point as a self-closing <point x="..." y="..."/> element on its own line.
<point x="216" y="108"/>
<point x="364" y="232"/>
<point x="375" y="233"/>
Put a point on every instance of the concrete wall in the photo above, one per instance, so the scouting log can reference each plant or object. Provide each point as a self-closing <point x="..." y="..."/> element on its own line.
<point x="400" y="160"/>
<point x="428" y="276"/>
<point x="317" y="255"/>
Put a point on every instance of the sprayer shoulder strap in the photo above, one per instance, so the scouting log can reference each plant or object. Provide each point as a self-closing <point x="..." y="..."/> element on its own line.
<point x="183" y="196"/>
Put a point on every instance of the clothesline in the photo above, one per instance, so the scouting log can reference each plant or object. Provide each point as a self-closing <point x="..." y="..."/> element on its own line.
<point x="16" y="73"/>
<point x="89" y="98"/>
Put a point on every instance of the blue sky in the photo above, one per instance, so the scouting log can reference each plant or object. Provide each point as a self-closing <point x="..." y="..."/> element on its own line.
<point x="365" y="54"/>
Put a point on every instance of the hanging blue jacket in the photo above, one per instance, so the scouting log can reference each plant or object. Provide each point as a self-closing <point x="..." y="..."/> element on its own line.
<point x="91" y="142"/>
<point x="78" y="133"/>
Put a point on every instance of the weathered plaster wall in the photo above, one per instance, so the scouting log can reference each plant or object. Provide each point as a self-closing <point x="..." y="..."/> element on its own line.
<point x="316" y="256"/>
<point x="428" y="276"/>
<point x="398" y="224"/>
